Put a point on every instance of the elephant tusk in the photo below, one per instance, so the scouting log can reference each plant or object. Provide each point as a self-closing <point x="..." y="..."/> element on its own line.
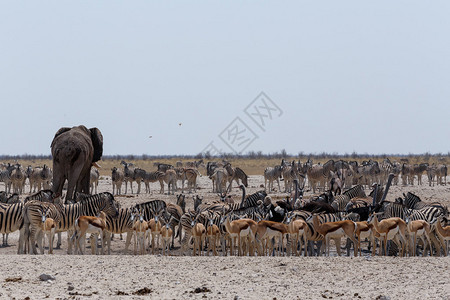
<point x="94" y="164"/>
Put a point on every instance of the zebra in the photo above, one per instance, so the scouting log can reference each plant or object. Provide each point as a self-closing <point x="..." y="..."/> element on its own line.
<point x="179" y="164"/>
<point x="219" y="179"/>
<point x="194" y="164"/>
<point x="14" y="198"/>
<point x="386" y="168"/>
<point x="42" y="195"/>
<point x="370" y="172"/>
<point x="253" y="199"/>
<point x="18" y="178"/>
<point x="164" y="167"/>
<point x="438" y="171"/>
<point x="418" y="170"/>
<point x="139" y="175"/>
<point x="93" y="180"/>
<point x="235" y="174"/>
<point x="122" y="223"/>
<point x="170" y="178"/>
<point x="40" y="177"/>
<point x="5" y="176"/>
<point x="319" y="174"/>
<point x="414" y="202"/>
<point x="176" y="211"/>
<point x="154" y="177"/>
<point x="149" y="207"/>
<point x="271" y="174"/>
<point x="117" y="179"/>
<point x="128" y="175"/>
<point x="340" y="201"/>
<point x="11" y="220"/>
<point x="290" y="173"/>
<point x="407" y="174"/>
<point x="190" y="174"/>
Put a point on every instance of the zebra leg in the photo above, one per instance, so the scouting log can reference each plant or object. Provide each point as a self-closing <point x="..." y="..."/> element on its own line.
<point x="58" y="243"/>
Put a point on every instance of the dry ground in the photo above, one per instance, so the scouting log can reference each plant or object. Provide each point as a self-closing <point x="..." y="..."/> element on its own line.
<point x="178" y="277"/>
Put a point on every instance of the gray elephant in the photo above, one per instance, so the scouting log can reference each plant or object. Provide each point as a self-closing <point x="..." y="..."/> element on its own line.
<point x="74" y="151"/>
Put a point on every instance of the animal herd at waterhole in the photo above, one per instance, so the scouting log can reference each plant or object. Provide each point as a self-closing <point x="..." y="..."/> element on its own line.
<point x="299" y="210"/>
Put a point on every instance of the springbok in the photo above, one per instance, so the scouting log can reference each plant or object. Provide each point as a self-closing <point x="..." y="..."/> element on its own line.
<point x="444" y="234"/>
<point x="419" y="229"/>
<point x="238" y="229"/>
<point x="198" y="233"/>
<point x="140" y="228"/>
<point x="166" y="234"/>
<point x="389" y="229"/>
<point x="335" y="231"/>
<point x="364" y="231"/>
<point x="92" y="225"/>
<point x="266" y="231"/>
<point x="48" y="228"/>
<point x="212" y="235"/>
<point x="296" y="230"/>
<point x="154" y="226"/>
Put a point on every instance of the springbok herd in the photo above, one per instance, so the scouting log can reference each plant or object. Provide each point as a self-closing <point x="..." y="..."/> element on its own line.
<point x="298" y="210"/>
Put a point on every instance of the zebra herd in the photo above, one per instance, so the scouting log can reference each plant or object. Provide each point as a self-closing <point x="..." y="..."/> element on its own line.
<point x="220" y="174"/>
<point x="337" y="175"/>
<point x="15" y="175"/>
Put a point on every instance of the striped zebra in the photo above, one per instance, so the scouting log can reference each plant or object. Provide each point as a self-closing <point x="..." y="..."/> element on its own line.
<point x="149" y="207"/>
<point x="414" y="202"/>
<point x="5" y="177"/>
<point x="190" y="174"/>
<point x="164" y="167"/>
<point x="219" y="180"/>
<point x="319" y="174"/>
<point x="117" y="180"/>
<point x="128" y="174"/>
<point x="235" y="174"/>
<point x="170" y="178"/>
<point x="11" y="220"/>
<point x="252" y="200"/>
<point x="42" y="195"/>
<point x="18" y="178"/>
<point x="418" y="170"/>
<point x="407" y="174"/>
<point x="370" y="172"/>
<point x="40" y="178"/>
<point x="93" y="180"/>
<point x="289" y="173"/>
<point x="14" y="198"/>
<point x="155" y="176"/>
<point x="122" y="223"/>
<point x="271" y="174"/>
<point x="439" y="172"/>
<point x="176" y="211"/>
<point x="386" y="168"/>
<point x="340" y="201"/>
<point x="139" y="175"/>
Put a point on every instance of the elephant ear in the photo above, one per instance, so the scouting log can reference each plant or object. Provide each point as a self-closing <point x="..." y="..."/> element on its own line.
<point x="97" y="142"/>
<point x="59" y="132"/>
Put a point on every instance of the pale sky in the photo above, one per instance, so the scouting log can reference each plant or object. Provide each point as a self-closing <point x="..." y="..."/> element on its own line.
<point x="365" y="76"/>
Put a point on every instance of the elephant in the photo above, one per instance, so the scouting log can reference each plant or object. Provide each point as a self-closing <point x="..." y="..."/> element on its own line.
<point x="74" y="151"/>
